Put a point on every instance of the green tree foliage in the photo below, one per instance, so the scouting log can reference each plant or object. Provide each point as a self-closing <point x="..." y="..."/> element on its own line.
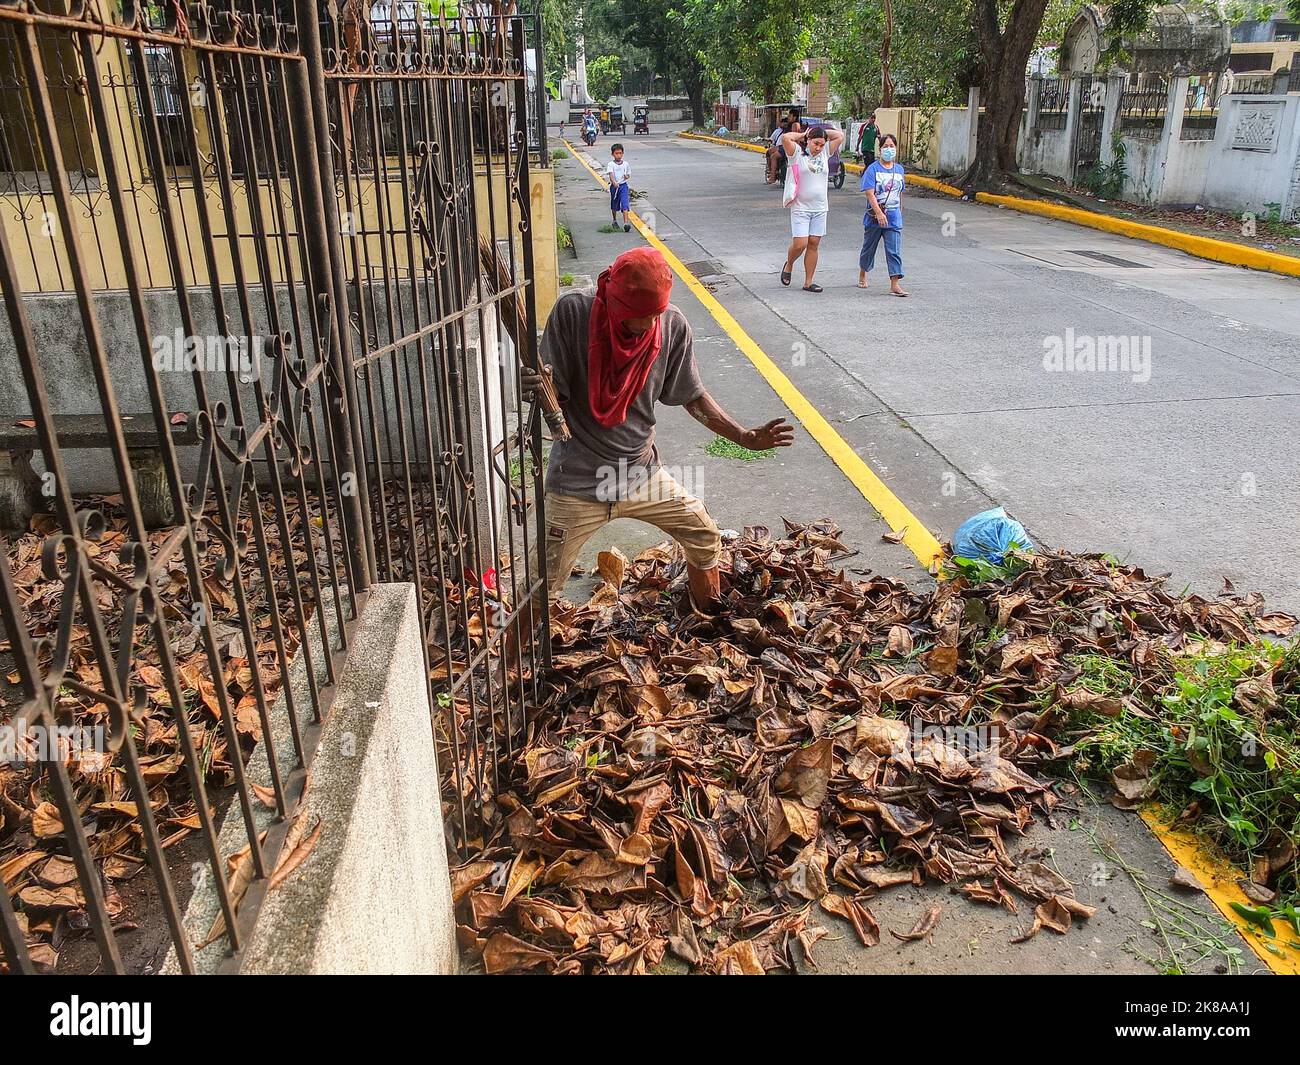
<point x="604" y="75"/>
<point x="662" y="28"/>
<point x="557" y="17"/>
<point x="758" y="41"/>
<point x="931" y="50"/>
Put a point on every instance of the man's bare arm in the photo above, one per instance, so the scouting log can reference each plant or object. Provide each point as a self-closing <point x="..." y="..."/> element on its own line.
<point x="776" y="433"/>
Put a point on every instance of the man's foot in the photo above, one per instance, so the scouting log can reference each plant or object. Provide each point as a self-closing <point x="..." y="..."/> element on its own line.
<point x="813" y="288"/>
<point x="627" y="227"/>
<point x="895" y="290"/>
<point x="785" y="277"/>
<point x="705" y="589"/>
<point x="862" y="281"/>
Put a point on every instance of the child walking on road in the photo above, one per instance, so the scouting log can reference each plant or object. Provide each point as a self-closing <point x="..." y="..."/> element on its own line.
<point x="620" y="195"/>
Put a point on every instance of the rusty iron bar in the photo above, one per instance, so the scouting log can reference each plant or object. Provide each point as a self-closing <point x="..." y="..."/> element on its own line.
<point x="319" y="189"/>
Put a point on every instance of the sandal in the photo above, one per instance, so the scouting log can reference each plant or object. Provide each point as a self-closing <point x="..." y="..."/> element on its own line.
<point x="785" y="277"/>
<point x="862" y="284"/>
<point x="897" y="292"/>
<point x="812" y="288"/>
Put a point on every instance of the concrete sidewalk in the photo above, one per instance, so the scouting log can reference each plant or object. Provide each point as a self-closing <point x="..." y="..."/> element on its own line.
<point x="803" y="484"/>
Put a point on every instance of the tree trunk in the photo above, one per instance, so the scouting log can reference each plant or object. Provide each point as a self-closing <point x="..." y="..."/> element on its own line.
<point x="694" y="82"/>
<point x="886" y="80"/>
<point x="1006" y="56"/>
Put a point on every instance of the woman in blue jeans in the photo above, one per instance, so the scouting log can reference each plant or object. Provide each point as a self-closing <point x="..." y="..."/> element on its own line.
<point x="882" y="182"/>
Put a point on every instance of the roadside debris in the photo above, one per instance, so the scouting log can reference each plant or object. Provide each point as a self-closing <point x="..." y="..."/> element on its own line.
<point x="989" y="537"/>
<point x="693" y="785"/>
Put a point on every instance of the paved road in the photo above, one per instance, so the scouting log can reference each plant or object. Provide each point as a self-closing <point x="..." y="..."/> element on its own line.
<point x="802" y="484"/>
<point x="1189" y="468"/>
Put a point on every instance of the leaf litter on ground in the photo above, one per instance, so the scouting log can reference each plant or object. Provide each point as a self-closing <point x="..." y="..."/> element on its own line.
<point x="693" y="785"/>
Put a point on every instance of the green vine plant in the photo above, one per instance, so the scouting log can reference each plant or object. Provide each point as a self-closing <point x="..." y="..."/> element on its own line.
<point x="1106" y="180"/>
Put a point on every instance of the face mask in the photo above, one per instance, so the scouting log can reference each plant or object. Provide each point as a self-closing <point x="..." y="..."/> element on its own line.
<point x="887" y="154"/>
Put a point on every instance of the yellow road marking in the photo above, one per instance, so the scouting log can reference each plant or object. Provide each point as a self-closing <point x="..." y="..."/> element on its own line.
<point x="1217" y="877"/>
<point x="919" y="540"/>
<point x="1221" y="251"/>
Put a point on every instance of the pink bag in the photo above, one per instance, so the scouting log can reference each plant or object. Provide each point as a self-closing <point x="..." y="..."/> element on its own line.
<point x="791" y="192"/>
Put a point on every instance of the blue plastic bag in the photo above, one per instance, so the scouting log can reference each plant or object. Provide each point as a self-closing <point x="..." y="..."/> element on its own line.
<point x="989" y="536"/>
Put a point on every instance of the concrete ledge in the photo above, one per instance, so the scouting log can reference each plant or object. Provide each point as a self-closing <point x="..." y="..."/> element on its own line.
<point x="373" y="892"/>
<point x="1221" y="251"/>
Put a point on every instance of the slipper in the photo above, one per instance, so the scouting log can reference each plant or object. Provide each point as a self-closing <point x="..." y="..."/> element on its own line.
<point x="785" y="277"/>
<point x="895" y="292"/>
<point x="812" y="288"/>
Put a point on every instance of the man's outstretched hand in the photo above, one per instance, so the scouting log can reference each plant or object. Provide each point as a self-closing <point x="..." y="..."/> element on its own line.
<point x="776" y="433"/>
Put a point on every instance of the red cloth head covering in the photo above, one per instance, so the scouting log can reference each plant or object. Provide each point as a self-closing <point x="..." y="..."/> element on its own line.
<point x="619" y="361"/>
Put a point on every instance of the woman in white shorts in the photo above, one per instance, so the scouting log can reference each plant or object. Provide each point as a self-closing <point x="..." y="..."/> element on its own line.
<point x="808" y="170"/>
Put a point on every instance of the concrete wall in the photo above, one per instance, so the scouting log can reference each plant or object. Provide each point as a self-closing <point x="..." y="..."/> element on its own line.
<point x="1143" y="167"/>
<point x="373" y="893"/>
<point x="1252" y="160"/>
<point x="958" y="127"/>
<point x="1256" y="155"/>
<point x="949" y="146"/>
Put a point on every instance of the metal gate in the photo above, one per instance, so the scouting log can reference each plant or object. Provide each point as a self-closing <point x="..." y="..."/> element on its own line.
<point x="265" y="267"/>
<point x="429" y="160"/>
<point x="1086" y="150"/>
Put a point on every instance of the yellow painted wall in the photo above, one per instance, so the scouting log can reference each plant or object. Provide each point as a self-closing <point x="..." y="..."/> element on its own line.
<point x="32" y="227"/>
<point x="888" y="120"/>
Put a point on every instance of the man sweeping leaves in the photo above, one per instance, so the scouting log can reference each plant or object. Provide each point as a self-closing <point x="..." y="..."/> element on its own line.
<point x="611" y="357"/>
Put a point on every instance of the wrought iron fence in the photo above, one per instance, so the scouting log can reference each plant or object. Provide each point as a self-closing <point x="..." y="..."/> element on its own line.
<point x="265" y="269"/>
<point x="1086" y="150"/>
<point x="1201" y="107"/>
<point x="1053" y="103"/>
<point x="1143" y="105"/>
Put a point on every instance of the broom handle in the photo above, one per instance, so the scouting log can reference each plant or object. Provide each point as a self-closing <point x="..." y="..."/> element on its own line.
<point x="515" y="318"/>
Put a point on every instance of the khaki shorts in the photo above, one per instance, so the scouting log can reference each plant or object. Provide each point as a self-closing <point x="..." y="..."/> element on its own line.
<point x="661" y="502"/>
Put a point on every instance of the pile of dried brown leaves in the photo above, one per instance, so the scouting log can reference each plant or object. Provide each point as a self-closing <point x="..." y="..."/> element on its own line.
<point x="706" y="786"/>
<point x="34" y="860"/>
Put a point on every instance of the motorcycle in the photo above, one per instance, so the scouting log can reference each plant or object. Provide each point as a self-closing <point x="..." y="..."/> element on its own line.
<point x="589" y="135"/>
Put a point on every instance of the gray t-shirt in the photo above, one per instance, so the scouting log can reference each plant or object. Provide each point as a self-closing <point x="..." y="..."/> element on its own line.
<point x="599" y="463"/>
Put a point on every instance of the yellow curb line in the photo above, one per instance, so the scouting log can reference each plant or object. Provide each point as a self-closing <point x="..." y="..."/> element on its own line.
<point x="1216" y="876"/>
<point x="919" y="540"/>
<point x="1221" y="251"/>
